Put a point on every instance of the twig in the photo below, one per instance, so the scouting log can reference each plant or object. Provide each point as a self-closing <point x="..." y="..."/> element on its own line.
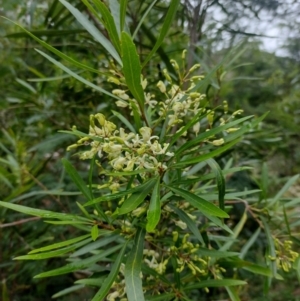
<point x="22" y="221"/>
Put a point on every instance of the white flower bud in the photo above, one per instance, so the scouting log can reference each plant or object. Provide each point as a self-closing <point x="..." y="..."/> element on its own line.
<point x="161" y="86"/>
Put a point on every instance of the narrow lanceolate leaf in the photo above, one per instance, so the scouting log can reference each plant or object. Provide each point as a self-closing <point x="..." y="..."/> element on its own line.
<point x="136" y="199"/>
<point x="215" y="283"/>
<point x="132" y="68"/>
<point x="79" y="264"/>
<point x="154" y="211"/>
<point x="117" y="195"/>
<point x="123" y="6"/>
<point x="107" y="20"/>
<point x="214" y="153"/>
<point x="133" y="281"/>
<point x="42" y="213"/>
<point x="164" y="30"/>
<point x="143" y="18"/>
<point x="59" y="244"/>
<point x="203" y="136"/>
<point x="53" y="253"/>
<point x="204" y="206"/>
<point x="57" y="52"/>
<point x="106" y="285"/>
<point x="98" y="36"/>
<point x="190" y="223"/>
<point x="220" y="180"/>
<point x="73" y="74"/>
<point x="72" y="172"/>
<point x="68" y="291"/>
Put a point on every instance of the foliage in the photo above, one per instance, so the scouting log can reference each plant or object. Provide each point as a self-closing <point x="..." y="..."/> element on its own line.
<point x="152" y="218"/>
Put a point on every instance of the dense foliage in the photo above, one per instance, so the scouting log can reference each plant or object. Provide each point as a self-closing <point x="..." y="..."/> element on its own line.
<point x="182" y="188"/>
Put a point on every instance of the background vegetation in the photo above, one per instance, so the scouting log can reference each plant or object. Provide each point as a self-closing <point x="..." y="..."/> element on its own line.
<point x="37" y="100"/>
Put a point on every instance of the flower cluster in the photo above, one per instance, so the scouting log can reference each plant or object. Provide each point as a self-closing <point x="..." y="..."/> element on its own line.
<point x="285" y="256"/>
<point x="124" y="151"/>
<point x="187" y="256"/>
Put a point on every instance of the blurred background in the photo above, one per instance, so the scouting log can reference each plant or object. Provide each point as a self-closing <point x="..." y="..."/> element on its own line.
<point x="255" y="45"/>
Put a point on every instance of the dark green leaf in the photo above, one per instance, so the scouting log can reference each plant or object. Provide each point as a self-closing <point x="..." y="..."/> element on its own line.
<point x="59" y="244"/>
<point x="97" y="245"/>
<point x="68" y="290"/>
<point x="137" y="198"/>
<point x="123" y="6"/>
<point x="211" y="154"/>
<point x="203" y="136"/>
<point x="132" y="69"/>
<point x="99" y="37"/>
<point x="80" y="264"/>
<point x="133" y="281"/>
<point x="57" y="52"/>
<point x="220" y="180"/>
<point x="43" y="213"/>
<point x="108" y="21"/>
<point x="111" y="277"/>
<point x="204" y="206"/>
<point x="73" y="74"/>
<point x="117" y="195"/>
<point x="76" y="178"/>
<point x="165" y="28"/>
<point x="55" y="253"/>
<point x="215" y="283"/>
<point x="154" y="211"/>
<point x="190" y="223"/>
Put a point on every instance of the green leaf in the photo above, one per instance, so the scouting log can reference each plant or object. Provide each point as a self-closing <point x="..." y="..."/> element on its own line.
<point x="83" y="210"/>
<point x="232" y="293"/>
<point x="136" y="199"/>
<point x="55" y="253"/>
<point x="132" y="68"/>
<point x="106" y="285"/>
<point x="57" y="52"/>
<point x="220" y="180"/>
<point x="68" y="290"/>
<point x="117" y="195"/>
<point x="73" y="74"/>
<point x="59" y="244"/>
<point x="80" y="264"/>
<point x="201" y="137"/>
<point x="43" y="213"/>
<point x="98" y="36"/>
<point x="164" y="30"/>
<point x="26" y="85"/>
<point x="124" y="120"/>
<point x="284" y="189"/>
<point x="249" y="243"/>
<point x="204" y="206"/>
<point x="133" y="281"/>
<point x="107" y="20"/>
<point x="215" y="283"/>
<point x="143" y="18"/>
<point x="76" y="178"/>
<point x="91" y="281"/>
<point x="123" y="6"/>
<point x="46" y="33"/>
<point x="211" y="154"/>
<point x="154" y="211"/>
<point x="94" y="232"/>
<point x="97" y="245"/>
<point x="271" y="247"/>
<point x="190" y="223"/>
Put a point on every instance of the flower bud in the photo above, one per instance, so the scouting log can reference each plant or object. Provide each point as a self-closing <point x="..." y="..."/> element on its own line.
<point x="218" y="142"/>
